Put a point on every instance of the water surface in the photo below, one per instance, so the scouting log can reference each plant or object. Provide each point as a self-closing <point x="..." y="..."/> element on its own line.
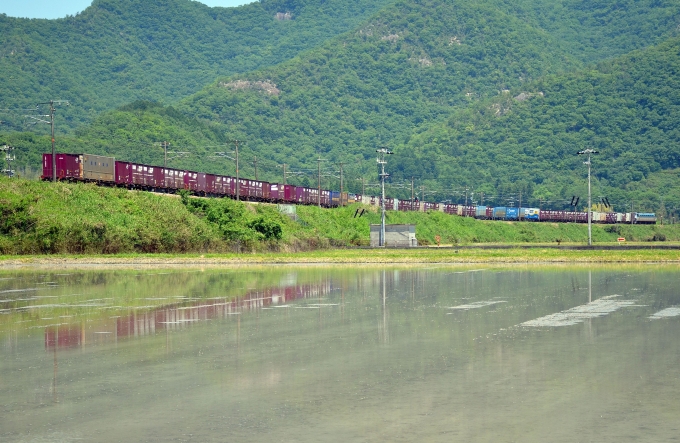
<point x="340" y="354"/>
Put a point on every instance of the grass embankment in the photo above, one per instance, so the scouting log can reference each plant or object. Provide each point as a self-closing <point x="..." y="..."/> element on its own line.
<point x="62" y="218"/>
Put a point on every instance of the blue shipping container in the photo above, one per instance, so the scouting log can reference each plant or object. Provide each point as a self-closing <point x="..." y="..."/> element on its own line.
<point x="512" y="214"/>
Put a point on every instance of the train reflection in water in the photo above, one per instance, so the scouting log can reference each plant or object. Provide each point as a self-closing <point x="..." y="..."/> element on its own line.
<point x="139" y="324"/>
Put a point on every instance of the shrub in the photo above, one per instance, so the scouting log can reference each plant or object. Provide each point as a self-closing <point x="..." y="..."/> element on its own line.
<point x="270" y="229"/>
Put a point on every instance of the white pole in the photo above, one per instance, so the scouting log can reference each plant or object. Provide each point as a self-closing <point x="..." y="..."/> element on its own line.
<point x="589" y="152"/>
<point x="382" y="217"/>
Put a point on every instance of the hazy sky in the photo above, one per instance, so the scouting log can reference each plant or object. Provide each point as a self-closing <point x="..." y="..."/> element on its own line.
<point x="62" y="8"/>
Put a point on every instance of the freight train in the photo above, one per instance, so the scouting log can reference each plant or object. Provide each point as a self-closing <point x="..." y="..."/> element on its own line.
<point x="108" y="171"/>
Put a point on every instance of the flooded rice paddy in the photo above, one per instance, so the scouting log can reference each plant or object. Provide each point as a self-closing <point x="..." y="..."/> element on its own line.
<point x="559" y="354"/>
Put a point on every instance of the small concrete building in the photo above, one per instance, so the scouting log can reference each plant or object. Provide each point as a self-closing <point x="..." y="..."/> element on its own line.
<point x="396" y="236"/>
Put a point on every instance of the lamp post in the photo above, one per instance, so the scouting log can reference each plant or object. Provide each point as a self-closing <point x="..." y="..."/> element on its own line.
<point x="382" y="152"/>
<point x="589" y="152"/>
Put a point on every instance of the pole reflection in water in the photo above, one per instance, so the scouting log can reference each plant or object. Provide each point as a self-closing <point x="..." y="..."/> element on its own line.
<point x="55" y="398"/>
<point x="382" y="325"/>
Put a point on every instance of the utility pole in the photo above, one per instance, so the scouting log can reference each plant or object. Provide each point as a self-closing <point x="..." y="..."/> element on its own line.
<point x="51" y="123"/>
<point x="589" y="152"/>
<point x="318" y="196"/>
<point x="236" y="143"/>
<point x="165" y="145"/>
<point x="255" y="162"/>
<point x="363" y="185"/>
<point x="341" y="179"/>
<point x="54" y="156"/>
<point x="412" y="194"/>
<point x="382" y="152"/>
<point x="520" y="206"/>
<point x="632" y="214"/>
<point x="465" y="214"/>
<point x="284" y="173"/>
<point x="9" y="158"/>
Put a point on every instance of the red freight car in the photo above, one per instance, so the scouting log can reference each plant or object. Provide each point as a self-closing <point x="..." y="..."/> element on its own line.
<point x="302" y="195"/>
<point x="451" y="209"/>
<point x="469" y="211"/>
<point x="123" y="175"/>
<point x="313" y="196"/>
<point x="266" y="191"/>
<point x="325" y="198"/>
<point x="552" y="215"/>
<point x="610" y="217"/>
<point x="190" y="181"/>
<point x="68" y="166"/>
<point x="407" y="205"/>
<point x="431" y="206"/>
<point x="143" y="176"/>
<point x="282" y="193"/>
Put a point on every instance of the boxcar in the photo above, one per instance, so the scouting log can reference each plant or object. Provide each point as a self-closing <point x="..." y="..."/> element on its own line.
<point x="552" y="215"/>
<point x="406" y="205"/>
<point x="325" y="197"/>
<point x="451" y="209"/>
<point x="302" y="195"/>
<point x="266" y="191"/>
<point x="208" y="184"/>
<point x="173" y="179"/>
<point x="467" y="211"/>
<point x="429" y="206"/>
<point x="123" y="175"/>
<point x="142" y="176"/>
<point x="221" y="186"/>
<point x="68" y="167"/>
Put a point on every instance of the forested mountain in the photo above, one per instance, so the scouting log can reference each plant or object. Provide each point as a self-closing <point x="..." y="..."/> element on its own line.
<point x="416" y="63"/>
<point x="626" y="108"/>
<point x="118" y="51"/>
<point x="495" y="96"/>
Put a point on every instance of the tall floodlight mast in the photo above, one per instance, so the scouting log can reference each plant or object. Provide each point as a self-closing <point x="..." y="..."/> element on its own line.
<point x="382" y="152"/>
<point x="589" y="152"/>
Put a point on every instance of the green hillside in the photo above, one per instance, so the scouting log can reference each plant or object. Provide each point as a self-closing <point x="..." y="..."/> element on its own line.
<point x="46" y="218"/>
<point x="495" y="96"/>
<point x="118" y="51"/>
